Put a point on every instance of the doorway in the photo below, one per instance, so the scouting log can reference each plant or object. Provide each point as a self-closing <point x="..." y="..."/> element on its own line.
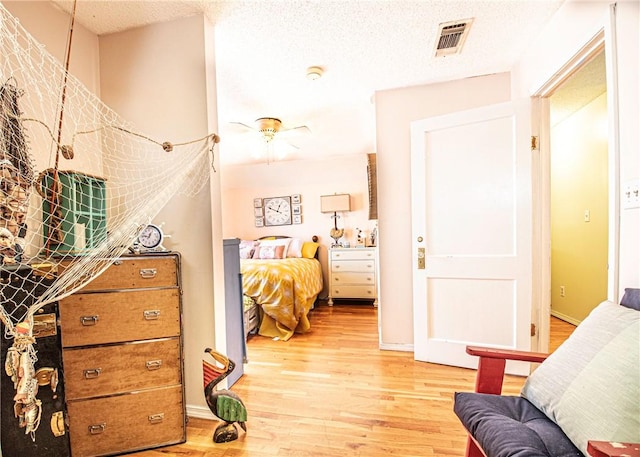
<point x="593" y="50"/>
<point x="579" y="191"/>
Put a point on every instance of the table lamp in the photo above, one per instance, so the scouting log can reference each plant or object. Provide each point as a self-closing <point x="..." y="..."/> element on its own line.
<point x="334" y="204"/>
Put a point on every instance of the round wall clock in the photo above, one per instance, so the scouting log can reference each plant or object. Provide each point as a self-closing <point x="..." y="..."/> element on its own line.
<point x="277" y="211"/>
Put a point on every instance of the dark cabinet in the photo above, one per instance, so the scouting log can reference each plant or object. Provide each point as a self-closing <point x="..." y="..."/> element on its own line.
<point x="51" y="438"/>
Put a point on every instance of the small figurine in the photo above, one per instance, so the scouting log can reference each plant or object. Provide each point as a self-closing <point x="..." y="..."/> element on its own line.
<point x="10" y="251"/>
<point x="224" y="404"/>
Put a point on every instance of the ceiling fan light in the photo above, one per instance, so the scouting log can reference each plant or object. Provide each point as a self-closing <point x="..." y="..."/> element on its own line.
<point x="268" y="127"/>
<point x="314" y="73"/>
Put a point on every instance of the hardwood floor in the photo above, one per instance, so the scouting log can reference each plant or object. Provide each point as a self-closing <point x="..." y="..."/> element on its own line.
<point x="559" y="331"/>
<point x="332" y="392"/>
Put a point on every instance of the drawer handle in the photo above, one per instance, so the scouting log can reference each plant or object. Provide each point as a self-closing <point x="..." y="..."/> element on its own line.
<point x="336" y="279"/>
<point x="336" y="266"/>
<point x="92" y="373"/>
<point x="151" y="314"/>
<point x="156" y="418"/>
<point x="148" y="273"/>
<point x="96" y="429"/>
<point x="153" y="364"/>
<point x="88" y="320"/>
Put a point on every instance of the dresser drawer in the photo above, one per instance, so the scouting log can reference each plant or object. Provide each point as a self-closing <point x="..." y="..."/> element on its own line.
<point x="122" y="423"/>
<point x="135" y="273"/>
<point x="110" y="317"/>
<point x="353" y="265"/>
<point x="105" y="370"/>
<point x="349" y="277"/>
<point x="352" y="254"/>
<point x="353" y="291"/>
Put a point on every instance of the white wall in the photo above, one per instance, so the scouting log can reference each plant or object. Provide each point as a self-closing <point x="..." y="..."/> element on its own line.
<point x="310" y="178"/>
<point x="50" y="26"/>
<point x="159" y="78"/>
<point x="575" y="23"/>
<point x="395" y="110"/>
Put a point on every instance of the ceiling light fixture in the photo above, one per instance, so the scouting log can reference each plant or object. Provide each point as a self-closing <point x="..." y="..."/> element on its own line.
<point x="268" y="126"/>
<point x="314" y="73"/>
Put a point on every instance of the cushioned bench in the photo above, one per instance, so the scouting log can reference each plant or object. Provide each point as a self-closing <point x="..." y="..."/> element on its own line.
<point x="588" y="389"/>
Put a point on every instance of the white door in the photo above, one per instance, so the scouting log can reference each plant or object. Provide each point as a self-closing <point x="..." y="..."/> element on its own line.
<point x="471" y="210"/>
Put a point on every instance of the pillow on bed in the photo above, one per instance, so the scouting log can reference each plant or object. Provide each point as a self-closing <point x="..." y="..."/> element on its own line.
<point x="295" y="248"/>
<point x="272" y="249"/>
<point x="309" y="249"/>
<point x="247" y="248"/>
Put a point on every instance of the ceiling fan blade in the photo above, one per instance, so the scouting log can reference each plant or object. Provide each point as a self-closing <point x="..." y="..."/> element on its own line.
<point x="294" y="132"/>
<point x="239" y="127"/>
<point x="299" y="128"/>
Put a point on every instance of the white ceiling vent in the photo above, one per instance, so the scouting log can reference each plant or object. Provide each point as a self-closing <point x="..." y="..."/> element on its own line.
<point x="451" y="37"/>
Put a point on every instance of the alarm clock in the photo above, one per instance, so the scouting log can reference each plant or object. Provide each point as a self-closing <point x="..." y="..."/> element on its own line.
<point x="150" y="239"/>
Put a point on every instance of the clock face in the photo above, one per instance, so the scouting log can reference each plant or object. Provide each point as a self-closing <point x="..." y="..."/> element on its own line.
<point x="277" y="211"/>
<point x="150" y="237"/>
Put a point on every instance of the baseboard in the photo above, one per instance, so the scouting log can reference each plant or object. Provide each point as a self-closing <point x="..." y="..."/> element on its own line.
<point x="200" y="412"/>
<point x="396" y="347"/>
<point x="566" y="318"/>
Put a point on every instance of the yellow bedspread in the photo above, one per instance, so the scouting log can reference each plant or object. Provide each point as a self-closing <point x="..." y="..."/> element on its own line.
<point x="285" y="289"/>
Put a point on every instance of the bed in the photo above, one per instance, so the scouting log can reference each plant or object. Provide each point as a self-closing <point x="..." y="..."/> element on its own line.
<point x="283" y="276"/>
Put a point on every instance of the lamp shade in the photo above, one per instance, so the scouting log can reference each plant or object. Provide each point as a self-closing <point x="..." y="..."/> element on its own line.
<point x="335" y="203"/>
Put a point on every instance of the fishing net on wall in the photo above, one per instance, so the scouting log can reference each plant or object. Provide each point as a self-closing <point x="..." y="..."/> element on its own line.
<point x="77" y="185"/>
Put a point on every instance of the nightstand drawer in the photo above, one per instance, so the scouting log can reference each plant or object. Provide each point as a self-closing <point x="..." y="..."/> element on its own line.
<point x="353" y="265"/>
<point x="352" y="254"/>
<point x="352" y="291"/>
<point x="111" y="317"/>
<point x="112" y="425"/>
<point x="348" y="277"/>
<point x="105" y="370"/>
<point x="251" y="319"/>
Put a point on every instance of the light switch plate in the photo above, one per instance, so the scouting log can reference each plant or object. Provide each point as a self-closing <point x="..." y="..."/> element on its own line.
<point x="631" y="194"/>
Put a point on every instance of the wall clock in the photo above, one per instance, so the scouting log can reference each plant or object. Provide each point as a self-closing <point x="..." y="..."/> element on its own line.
<point x="277" y="211"/>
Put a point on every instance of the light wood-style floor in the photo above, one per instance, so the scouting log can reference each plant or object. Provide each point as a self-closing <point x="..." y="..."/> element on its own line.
<point x="332" y="392"/>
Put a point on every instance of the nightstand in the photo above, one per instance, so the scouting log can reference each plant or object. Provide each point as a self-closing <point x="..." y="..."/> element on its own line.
<point x="352" y="274"/>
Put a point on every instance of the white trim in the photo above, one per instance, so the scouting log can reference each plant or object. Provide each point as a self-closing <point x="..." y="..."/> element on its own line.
<point x="200" y="412"/>
<point x="611" y="68"/>
<point x="565" y="318"/>
<point x="396" y="347"/>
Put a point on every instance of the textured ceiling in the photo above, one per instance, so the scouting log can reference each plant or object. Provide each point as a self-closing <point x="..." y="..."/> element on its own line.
<point x="264" y="47"/>
<point x="588" y="83"/>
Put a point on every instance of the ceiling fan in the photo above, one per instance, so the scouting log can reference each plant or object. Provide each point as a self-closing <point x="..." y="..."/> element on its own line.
<point x="271" y="128"/>
<point x="269" y="138"/>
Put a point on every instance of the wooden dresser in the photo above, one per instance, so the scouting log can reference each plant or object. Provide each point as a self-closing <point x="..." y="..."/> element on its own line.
<point x="352" y="274"/>
<point x="122" y="358"/>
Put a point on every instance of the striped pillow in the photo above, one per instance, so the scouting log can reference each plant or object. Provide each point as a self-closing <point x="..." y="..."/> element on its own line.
<point x="590" y="386"/>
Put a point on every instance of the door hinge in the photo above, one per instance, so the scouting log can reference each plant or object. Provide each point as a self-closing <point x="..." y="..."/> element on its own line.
<point x="534" y="143"/>
<point x="533" y="329"/>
